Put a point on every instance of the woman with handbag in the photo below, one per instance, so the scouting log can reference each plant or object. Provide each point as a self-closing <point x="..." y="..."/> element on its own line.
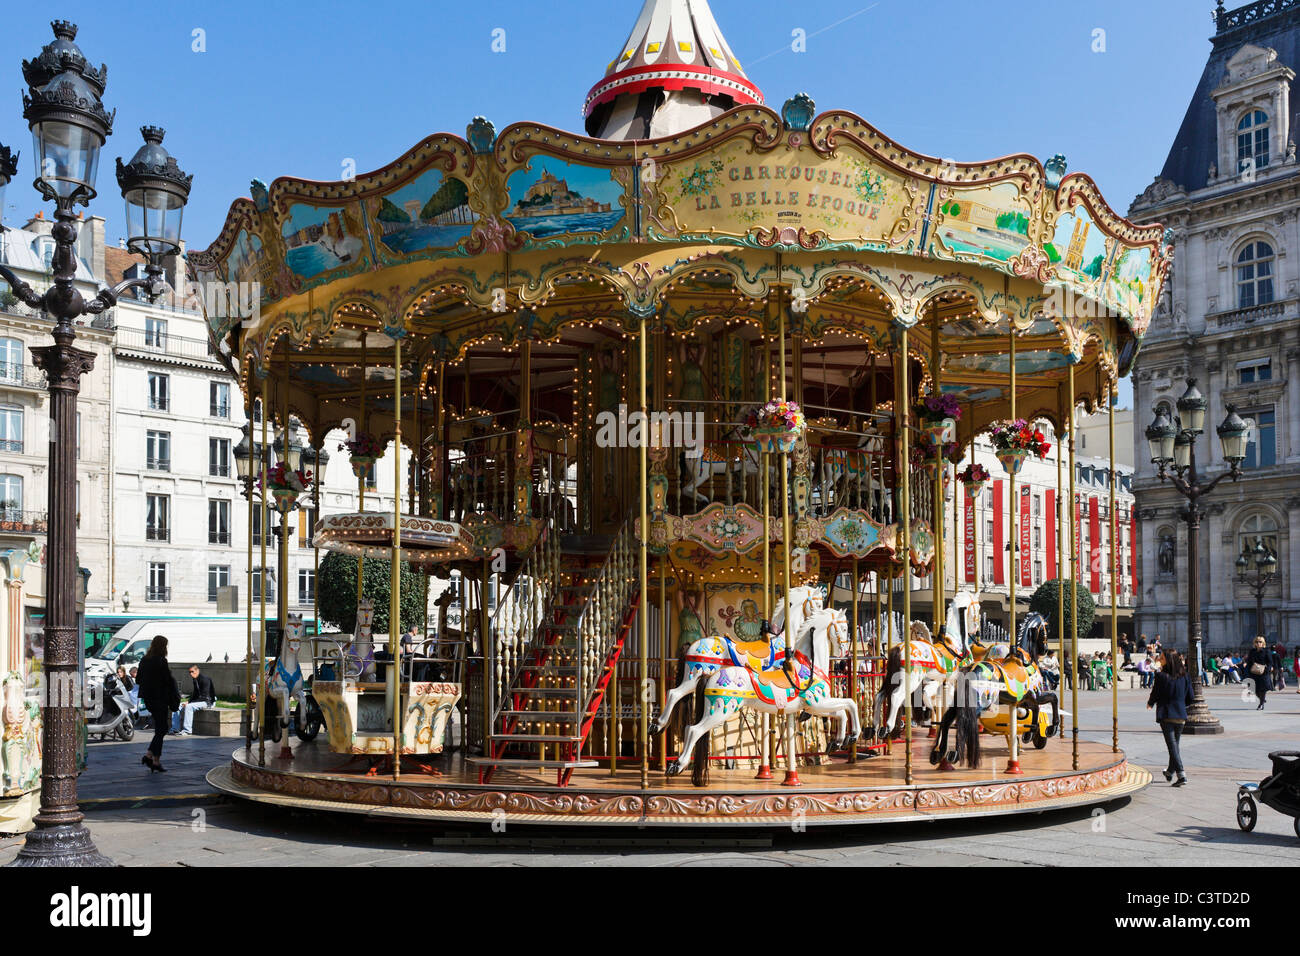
<point x="1258" y="663"/>
<point x="161" y="694"/>
<point x="1171" y="695"/>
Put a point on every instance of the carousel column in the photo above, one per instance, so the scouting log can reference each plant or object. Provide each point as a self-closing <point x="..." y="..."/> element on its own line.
<point x="766" y="739"/>
<point x="1114" y="577"/>
<point x="249" y="704"/>
<point x="1013" y="738"/>
<point x="643" y="612"/>
<point x="60" y="837"/>
<point x="791" y="759"/>
<point x="395" y="565"/>
<point x="1074" y="595"/>
<point x="261" y="574"/>
<point x="905" y="505"/>
<point x="853" y="663"/>
<point x="284" y="506"/>
<point x="936" y="579"/>
<point x="1060" y="567"/>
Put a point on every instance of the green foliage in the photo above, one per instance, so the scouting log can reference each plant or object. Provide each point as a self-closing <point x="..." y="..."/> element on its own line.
<point x="1052" y="255"/>
<point x="336" y="587"/>
<point x="451" y="194"/>
<point x="1014" y="222"/>
<point x="1093" y="268"/>
<point x="390" y="212"/>
<point x="1044" y="602"/>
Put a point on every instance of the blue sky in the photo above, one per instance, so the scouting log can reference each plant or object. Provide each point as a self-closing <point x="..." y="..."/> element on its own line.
<point x="301" y="88"/>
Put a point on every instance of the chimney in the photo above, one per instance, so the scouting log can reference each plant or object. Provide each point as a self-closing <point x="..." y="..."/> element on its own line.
<point x="39" y="225"/>
<point x="90" y="245"/>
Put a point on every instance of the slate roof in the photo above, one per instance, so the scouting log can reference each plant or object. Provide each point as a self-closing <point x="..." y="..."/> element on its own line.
<point x="1267" y="23"/>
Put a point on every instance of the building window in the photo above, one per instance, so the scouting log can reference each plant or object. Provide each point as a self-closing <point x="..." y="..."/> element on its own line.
<point x="256" y="530"/>
<point x="1254" y="275"/>
<point x="988" y="570"/>
<point x="1038" y="506"/>
<point x="1261" y="448"/>
<point x="219" y="457"/>
<point x="78" y="436"/>
<point x="11" y="360"/>
<point x="988" y="499"/>
<point x="1038" y="572"/>
<point x="306" y="585"/>
<point x="370" y="475"/>
<point x="306" y="526"/>
<point x="218" y="400"/>
<point x="158" y="451"/>
<point x="1251" y="627"/>
<point x="255" y="588"/>
<point x="218" y="521"/>
<point x="159" y="400"/>
<point x="1256" y="370"/>
<point x="155" y="333"/>
<point x="158" y="589"/>
<point x="11" y="497"/>
<point x="156" y="514"/>
<point x="1252" y="141"/>
<point x="1038" y="536"/>
<point x="988" y="530"/>
<point x="218" y="577"/>
<point x="11" y="428"/>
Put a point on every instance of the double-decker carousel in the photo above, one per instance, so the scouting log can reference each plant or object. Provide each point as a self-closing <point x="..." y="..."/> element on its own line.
<point x="681" y="409"/>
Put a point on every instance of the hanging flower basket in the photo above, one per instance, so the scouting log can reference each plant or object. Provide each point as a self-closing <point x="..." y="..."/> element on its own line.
<point x="1015" y="441"/>
<point x="974" y="476"/>
<point x="974" y="489"/>
<point x="939" y="433"/>
<point x="1012" y="459"/>
<point x="776" y="426"/>
<point x="363" y="451"/>
<point x="285" y="485"/>
<point x="360" y="463"/>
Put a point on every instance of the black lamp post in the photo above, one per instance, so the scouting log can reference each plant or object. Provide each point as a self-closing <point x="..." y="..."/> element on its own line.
<point x="1263" y="563"/>
<point x="69" y="126"/>
<point x="1173" y="446"/>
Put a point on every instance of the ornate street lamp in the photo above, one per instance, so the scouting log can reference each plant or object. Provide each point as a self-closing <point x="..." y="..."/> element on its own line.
<point x="1174" y="444"/>
<point x="69" y="126"/>
<point x="8" y="170"/>
<point x="1263" y="562"/>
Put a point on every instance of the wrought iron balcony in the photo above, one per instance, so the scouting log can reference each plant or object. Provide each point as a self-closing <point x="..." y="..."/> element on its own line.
<point x="25" y="522"/>
<point x="158" y="464"/>
<point x="18" y="375"/>
<point x="14" y="445"/>
<point x="218" y="537"/>
<point x="157" y="533"/>
<point x="157" y="594"/>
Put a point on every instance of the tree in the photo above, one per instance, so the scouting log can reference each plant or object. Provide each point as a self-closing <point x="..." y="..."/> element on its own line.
<point x="337" y="588"/>
<point x="389" y="212"/>
<point x="1044" y="602"/>
<point x="451" y="194"/>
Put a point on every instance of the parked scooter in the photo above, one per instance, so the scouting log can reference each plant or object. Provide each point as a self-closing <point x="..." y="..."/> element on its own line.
<point x="114" y="714"/>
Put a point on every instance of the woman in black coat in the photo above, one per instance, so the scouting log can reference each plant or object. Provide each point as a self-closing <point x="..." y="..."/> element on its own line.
<point x="1258" y="664"/>
<point x="161" y="695"/>
<point x="1171" y="694"/>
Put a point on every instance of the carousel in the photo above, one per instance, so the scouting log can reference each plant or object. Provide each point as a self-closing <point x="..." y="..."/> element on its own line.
<point x="683" y="401"/>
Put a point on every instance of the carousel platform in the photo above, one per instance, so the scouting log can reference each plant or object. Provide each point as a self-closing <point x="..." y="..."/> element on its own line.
<point x="870" y="791"/>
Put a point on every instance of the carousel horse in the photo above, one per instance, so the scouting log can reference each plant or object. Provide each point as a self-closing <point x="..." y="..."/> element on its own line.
<point x="20" y="755"/>
<point x="716" y="459"/>
<point x="359" y="651"/>
<point x="284" y="676"/>
<point x="1015" y="680"/>
<point x="801" y="685"/>
<point x="706" y="655"/>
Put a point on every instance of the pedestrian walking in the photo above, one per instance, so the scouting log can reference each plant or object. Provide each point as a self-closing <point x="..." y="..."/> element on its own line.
<point x="1258" y="664"/>
<point x="1279" y="674"/>
<point x="161" y="695"/>
<point x="1171" y="694"/>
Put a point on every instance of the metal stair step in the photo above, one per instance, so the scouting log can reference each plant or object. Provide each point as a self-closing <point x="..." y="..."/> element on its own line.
<point x="553" y="716"/>
<point x="547" y="691"/>
<point x="525" y="762"/>
<point x="536" y="738"/>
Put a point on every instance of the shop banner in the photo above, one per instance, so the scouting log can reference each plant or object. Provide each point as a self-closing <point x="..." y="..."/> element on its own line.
<point x="1026" y="555"/>
<point x="998" y="532"/>
<point x="1051" y="534"/>
<point x="1094" y="546"/>
<point x="968" y="542"/>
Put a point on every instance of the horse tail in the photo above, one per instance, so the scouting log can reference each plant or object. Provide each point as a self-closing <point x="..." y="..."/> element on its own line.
<point x="677" y="726"/>
<point x="893" y="666"/>
<point x="968" y="723"/>
<point x="700" y="758"/>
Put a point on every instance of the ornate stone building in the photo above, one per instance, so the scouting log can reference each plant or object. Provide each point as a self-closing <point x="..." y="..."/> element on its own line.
<point x="1230" y="190"/>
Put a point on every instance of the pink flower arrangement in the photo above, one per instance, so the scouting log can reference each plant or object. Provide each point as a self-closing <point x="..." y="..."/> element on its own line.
<point x="282" y="478"/>
<point x="935" y="408"/>
<point x="777" y="415"/>
<point x="1019" y="435"/>
<point x="365" y="445"/>
<point x="972" y="473"/>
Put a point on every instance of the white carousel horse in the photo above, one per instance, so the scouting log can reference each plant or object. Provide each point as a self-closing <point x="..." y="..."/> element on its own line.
<point x="20" y="755"/>
<point x="717" y="459"/>
<point x="982" y="685"/>
<point x="359" y="650"/>
<point x="803" y="687"/>
<point x="704" y="656"/>
<point x="284" y="675"/>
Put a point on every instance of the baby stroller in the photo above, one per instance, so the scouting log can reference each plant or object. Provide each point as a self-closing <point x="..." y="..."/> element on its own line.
<point x="1280" y="790"/>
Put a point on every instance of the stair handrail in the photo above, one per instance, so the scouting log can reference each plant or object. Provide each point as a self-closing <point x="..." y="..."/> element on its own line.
<point x="602" y="615"/>
<point x="518" y="615"/>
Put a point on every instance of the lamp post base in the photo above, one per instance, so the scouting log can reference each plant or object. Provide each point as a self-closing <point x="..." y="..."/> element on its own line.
<point x="66" y="845"/>
<point x="1205" y="725"/>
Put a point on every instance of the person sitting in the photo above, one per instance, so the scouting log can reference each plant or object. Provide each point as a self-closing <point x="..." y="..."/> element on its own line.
<point x="1051" y="669"/>
<point x="143" y="719"/>
<point x="1230" y="669"/>
<point x="202" y="697"/>
<point x="1146" y="670"/>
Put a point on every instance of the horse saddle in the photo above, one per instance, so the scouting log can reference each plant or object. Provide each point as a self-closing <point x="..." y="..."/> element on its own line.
<point x="756" y="655"/>
<point x="774" y="685"/>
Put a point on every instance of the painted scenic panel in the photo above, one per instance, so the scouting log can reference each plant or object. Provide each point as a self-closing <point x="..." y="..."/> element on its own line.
<point x="550" y="197"/>
<point x="1128" y="286"/>
<point x="242" y="262"/>
<point x="1078" y="250"/>
<point x="430" y="212"/>
<point x="989" y="221"/>
<point x="320" y="238"/>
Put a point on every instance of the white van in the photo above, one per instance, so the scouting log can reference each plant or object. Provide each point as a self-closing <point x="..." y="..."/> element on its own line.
<point x="188" y="642"/>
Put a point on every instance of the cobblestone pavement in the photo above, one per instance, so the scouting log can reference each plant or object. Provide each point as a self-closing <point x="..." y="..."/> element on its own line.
<point x="173" y="819"/>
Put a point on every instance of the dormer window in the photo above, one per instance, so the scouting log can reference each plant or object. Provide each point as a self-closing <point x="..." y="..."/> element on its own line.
<point x="1252" y="141"/>
<point x="45" y="250"/>
<point x="1254" y="275"/>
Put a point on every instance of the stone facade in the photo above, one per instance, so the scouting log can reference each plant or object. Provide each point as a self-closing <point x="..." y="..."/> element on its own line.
<point x="1231" y="193"/>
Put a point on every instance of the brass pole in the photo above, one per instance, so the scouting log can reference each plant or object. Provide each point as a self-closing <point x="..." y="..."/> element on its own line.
<point x="360" y="472"/>
<point x="1074" y="595"/>
<point x="767" y="735"/>
<point x="937" y="584"/>
<point x="643" y="616"/>
<point x="395" y="565"/>
<point x="261" y="582"/>
<point x="974" y="510"/>
<point x="1060" y="561"/>
<point x="791" y="759"/>
<point x="1013" y="742"/>
<point x="905" y="505"/>
<point x="1114" y="576"/>
<point x="254" y="454"/>
<point x="853" y="662"/>
<point x="282" y="548"/>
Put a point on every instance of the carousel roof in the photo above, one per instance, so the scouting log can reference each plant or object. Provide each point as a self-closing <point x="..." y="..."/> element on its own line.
<point x="751" y="220"/>
<point x="675" y="45"/>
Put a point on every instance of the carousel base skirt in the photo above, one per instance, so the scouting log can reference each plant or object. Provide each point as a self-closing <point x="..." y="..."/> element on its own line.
<point x="871" y="791"/>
